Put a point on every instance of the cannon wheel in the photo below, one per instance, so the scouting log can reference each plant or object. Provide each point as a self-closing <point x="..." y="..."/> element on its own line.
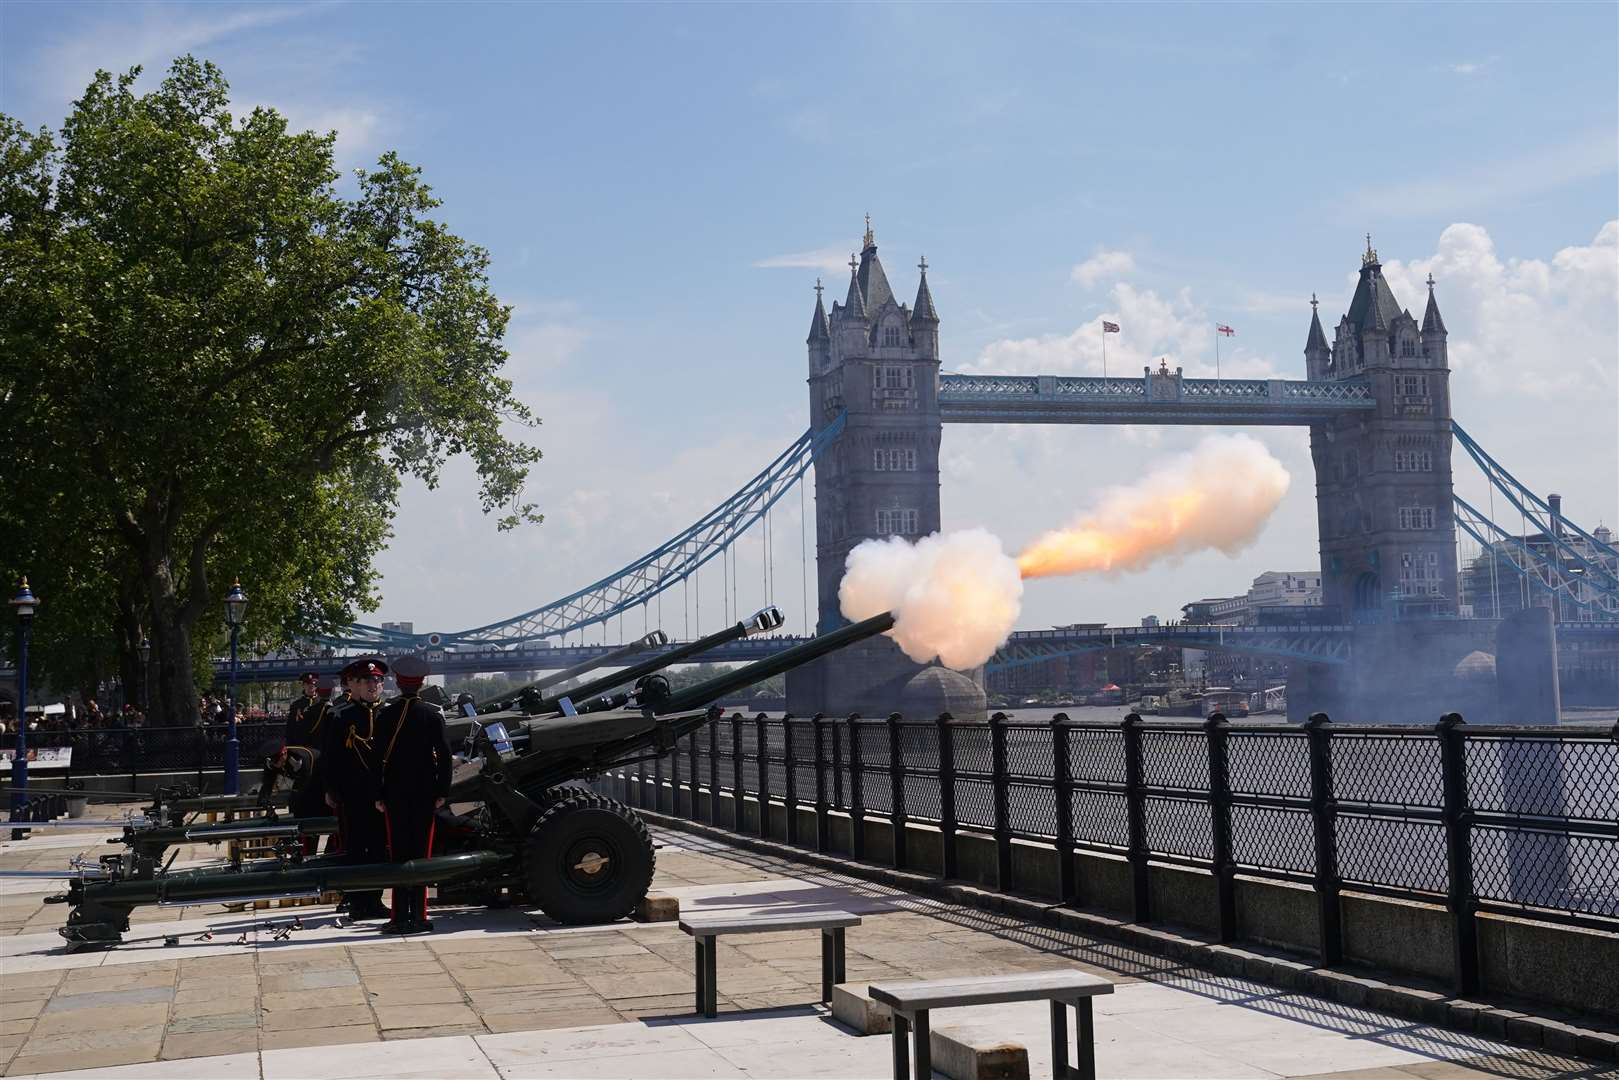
<point x="588" y="859"/>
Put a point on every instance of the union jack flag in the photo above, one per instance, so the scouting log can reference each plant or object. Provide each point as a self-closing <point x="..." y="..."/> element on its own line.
<point x="1222" y="328"/>
<point x="1109" y="327"/>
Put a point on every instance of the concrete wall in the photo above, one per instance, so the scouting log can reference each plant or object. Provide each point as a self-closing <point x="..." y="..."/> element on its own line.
<point x="1568" y="967"/>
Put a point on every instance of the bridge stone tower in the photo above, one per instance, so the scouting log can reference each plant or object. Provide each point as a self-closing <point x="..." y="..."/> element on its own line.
<point x="875" y="360"/>
<point x="1383" y="481"/>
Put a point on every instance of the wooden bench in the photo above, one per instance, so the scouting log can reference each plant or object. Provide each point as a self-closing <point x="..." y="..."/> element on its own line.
<point x="911" y="1002"/>
<point x="707" y="928"/>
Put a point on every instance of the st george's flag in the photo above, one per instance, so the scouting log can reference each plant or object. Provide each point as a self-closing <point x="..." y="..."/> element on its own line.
<point x="1109" y="327"/>
<point x="1222" y="328"/>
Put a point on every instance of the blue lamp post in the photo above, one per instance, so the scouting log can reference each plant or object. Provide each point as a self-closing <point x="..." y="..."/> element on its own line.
<point x="235" y="612"/>
<point x="25" y="603"/>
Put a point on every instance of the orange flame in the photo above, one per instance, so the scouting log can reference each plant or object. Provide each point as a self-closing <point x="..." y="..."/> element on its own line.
<point x="1090" y="545"/>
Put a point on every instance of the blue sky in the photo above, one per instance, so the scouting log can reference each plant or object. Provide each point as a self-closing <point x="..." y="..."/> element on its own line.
<point x="659" y="186"/>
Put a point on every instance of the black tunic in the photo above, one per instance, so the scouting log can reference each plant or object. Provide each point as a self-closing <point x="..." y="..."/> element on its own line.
<point x="304" y="721"/>
<point x="351" y="758"/>
<point x="414" y="753"/>
<point x="414" y="774"/>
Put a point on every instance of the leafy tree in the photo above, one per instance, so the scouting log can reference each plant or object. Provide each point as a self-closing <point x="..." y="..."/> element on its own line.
<point x="214" y="365"/>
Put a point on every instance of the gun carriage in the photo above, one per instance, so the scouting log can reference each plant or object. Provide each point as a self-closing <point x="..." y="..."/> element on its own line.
<point x="522" y="826"/>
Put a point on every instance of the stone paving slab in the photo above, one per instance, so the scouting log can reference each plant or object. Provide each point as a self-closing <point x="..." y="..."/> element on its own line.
<point x="506" y="993"/>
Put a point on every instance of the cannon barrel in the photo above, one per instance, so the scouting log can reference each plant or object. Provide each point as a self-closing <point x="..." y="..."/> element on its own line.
<point x="226" y="886"/>
<point x="694" y="697"/>
<point x="760" y="622"/>
<point x="162" y="836"/>
<point x="656" y="639"/>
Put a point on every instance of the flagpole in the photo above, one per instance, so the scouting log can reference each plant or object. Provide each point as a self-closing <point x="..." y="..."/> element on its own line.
<point x="1104" y="350"/>
<point x="1216" y="355"/>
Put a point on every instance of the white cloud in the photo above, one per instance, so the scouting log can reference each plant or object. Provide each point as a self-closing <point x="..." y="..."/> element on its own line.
<point x="1104" y="265"/>
<point x="1152" y="327"/>
<point x="149" y="36"/>
<point x="828" y="259"/>
<point x="1523" y="326"/>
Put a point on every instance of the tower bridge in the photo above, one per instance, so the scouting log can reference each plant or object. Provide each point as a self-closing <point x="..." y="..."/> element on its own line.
<point x="1376" y="400"/>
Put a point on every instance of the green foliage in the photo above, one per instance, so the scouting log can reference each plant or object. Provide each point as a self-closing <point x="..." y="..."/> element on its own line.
<point x="213" y="365"/>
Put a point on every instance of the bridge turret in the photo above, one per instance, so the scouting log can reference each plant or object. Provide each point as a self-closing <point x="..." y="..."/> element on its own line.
<point x="925" y="319"/>
<point x="1317" y="353"/>
<point x="852" y="325"/>
<point x="820" y="337"/>
<point x="1433" y="332"/>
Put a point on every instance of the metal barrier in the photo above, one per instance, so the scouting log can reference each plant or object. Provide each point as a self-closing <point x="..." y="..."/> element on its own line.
<point x="138" y="750"/>
<point x="1521" y="821"/>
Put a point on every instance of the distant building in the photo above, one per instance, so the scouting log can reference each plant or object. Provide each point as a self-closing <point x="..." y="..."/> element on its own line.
<point x="399" y="627"/>
<point x="1492" y="587"/>
<point x="1149" y="620"/>
<point x="1285" y="588"/>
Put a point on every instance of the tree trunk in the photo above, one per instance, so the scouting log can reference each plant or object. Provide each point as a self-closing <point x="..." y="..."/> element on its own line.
<point x="174" y="693"/>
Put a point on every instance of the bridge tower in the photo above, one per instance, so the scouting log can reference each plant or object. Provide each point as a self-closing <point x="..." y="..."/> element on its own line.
<point x="1383" y="480"/>
<point x="876" y="360"/>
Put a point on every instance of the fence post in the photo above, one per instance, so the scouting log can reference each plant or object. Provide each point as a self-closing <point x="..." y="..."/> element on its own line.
<point x="1136" y="818"/>
<point x="998" y="789"/>
<point x="657" y="783"/>
<point x="714" y="770"/>
<point x="822" y="826"/>
<point x="790" y="777"/>
<point x="1323" y="812"/>
<point x="1063" y="783"/>
<point x="1459" y="850"/>
<point x="857" y="792"/>
<point x="947" y="796"/>
<point x="692" y="781"/>
<point x="896" y="780"/>
<point x="837" y="765"/>
<point x="763" y="744"/>
<point x="736" y="772"/>
<point x="1222" y="863"/>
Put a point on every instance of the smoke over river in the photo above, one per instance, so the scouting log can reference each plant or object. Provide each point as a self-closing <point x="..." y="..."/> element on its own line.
<point x="956" y="596"/>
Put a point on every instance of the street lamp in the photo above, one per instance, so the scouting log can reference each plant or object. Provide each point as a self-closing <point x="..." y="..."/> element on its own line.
<point x="144" y="651"/>
<point x="235" y="611"/>
<point x="25" y="603"/>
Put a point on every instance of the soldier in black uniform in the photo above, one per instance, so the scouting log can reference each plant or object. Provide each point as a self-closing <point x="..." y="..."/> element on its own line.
<point x="308" y="800"/>
<point x="350" y="755"/>
<point x="306" y="726"/>
<point x="412" y="782"/>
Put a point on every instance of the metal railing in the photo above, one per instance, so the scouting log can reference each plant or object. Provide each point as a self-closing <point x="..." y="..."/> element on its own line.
<point x="1512" y="820"/>
<point x="138" y="750"/>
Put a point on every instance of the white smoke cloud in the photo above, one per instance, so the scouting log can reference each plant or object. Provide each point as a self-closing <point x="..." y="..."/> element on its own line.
<point x="955" y="597"/>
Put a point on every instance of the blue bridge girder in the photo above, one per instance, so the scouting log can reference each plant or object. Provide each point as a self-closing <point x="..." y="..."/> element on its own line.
<point x="1160" y="397"/>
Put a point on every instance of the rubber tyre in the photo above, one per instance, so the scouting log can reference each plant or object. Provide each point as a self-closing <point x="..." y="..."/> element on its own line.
<point x="563" y="869"/>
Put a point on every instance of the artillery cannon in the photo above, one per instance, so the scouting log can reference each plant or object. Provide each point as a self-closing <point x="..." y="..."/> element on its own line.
<point x="527" y="832"/>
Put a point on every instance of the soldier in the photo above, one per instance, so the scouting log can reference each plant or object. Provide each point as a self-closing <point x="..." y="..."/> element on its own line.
<point x="412" y="782"/>
<point x="350" y="755"/>
<point x="305" y="727"/>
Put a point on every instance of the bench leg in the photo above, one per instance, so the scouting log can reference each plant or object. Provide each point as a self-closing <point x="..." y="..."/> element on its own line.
<point x="832" y="961"/>
<point x="711" y="1005"/>
<point x="902" y="1053"/>
<point x="826" y="966"/>
<point x="702" y="969"/>
<point x="1087" y="1041"/>
<point x="922" y="1046"/>
<point x="1059" y="1041"/>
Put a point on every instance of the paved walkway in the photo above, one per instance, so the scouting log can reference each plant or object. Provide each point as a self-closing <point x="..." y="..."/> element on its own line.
<point x="509" y="994"/>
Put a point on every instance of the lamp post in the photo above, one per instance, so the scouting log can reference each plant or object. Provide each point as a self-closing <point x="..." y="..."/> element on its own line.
<point x="235" y="611"/>
<point x="144" y="651"/>
<point x="24" y="603"/>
